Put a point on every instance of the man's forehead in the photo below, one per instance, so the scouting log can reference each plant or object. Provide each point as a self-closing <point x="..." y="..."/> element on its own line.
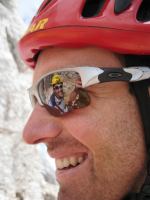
<point x="58" y="58"/>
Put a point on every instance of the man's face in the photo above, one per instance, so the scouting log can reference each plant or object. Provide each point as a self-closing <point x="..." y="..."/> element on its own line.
<point x="58" y="90"/>
<point x="106" y="137"/>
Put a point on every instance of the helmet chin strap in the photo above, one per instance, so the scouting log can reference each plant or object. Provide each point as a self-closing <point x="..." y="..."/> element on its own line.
<point x="144" y="193"/>
<point x="145" y="190"/>
<point x="140" y="90"/>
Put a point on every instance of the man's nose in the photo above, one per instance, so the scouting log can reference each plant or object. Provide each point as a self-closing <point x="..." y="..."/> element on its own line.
<point x="41" y="126"/>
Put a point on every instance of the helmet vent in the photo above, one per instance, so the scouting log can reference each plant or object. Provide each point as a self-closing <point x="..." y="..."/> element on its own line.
<point x="45" y="3"/>
<point x="92" y="8"/>
<point x="121" y="5"/>
<point x="143" y="14"/>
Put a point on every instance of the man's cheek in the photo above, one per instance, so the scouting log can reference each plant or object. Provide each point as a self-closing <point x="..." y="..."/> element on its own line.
<point x="83" y="131"/>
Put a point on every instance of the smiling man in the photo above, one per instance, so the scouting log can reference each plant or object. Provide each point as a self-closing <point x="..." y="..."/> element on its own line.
<point x="101" y="142"/>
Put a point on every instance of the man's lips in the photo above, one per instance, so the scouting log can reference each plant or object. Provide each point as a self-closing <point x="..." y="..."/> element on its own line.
<point x="70" y="161"/>
<point x="65" y="161"/>
<point x="70" y="167"/>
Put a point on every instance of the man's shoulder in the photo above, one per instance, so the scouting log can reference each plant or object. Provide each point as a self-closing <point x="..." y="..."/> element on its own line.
<point x="52" y="100"/>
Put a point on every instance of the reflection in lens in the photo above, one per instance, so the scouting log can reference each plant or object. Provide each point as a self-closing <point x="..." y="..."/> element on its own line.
<point x="62" y="92"/>
<point x="79" y="98"/>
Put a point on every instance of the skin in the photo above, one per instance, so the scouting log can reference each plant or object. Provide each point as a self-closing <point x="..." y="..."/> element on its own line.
<point x="108" y="131"/>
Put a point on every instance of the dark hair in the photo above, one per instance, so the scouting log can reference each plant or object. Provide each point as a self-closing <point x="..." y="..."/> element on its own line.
<point x="137" y="60"/>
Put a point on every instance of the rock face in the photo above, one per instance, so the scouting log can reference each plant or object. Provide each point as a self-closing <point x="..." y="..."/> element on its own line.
<point x="24" y="175"/>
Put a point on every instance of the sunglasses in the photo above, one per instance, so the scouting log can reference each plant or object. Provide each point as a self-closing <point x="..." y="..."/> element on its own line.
<point x="73" y="83"/>
<point x="58" y="86"/>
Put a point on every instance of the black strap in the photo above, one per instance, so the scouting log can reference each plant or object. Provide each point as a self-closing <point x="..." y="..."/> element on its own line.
<point x="141" y="92"/>
<point x="143" y="98"/>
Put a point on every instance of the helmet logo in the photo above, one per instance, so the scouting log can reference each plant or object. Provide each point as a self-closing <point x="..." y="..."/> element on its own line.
<point x="38" y="26"/>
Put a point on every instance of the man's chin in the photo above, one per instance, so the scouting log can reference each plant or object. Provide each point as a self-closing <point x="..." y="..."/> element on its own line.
<point x="78" y="194"/>
<point x="70" y="194"/>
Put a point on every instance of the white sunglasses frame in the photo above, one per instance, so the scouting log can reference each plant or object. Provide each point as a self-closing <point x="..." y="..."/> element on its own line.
<point x="92" y="75"/>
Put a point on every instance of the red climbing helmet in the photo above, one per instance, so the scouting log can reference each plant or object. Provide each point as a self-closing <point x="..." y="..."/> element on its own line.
<point x="122" y="26"/>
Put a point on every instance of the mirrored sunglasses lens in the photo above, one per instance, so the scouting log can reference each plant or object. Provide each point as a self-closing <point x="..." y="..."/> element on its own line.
<point x="62" y="92"/>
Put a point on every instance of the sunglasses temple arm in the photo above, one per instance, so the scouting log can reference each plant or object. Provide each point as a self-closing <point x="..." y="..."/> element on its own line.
<point x="131" y="74"/>
<point x="89" y="77"/>
<point x="138" y="73"/>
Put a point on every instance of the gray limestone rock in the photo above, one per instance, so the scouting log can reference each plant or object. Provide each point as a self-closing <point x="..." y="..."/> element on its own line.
<point x="24" y="174"/>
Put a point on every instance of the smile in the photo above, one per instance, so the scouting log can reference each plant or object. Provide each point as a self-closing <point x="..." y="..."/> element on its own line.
<point x="69" y="162"/>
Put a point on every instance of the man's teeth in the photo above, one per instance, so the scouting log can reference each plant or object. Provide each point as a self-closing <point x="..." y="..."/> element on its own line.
<point x="66" y="162"/>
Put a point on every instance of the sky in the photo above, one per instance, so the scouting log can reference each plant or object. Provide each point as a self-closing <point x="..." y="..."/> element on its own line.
<point x="28" y="9"/>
